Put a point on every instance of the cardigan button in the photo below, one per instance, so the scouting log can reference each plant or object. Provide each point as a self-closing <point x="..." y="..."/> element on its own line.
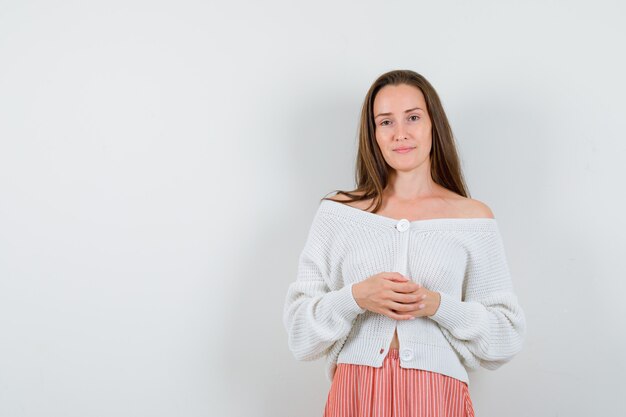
<point x="403" y="225"/>
<point x="407" y="354"/>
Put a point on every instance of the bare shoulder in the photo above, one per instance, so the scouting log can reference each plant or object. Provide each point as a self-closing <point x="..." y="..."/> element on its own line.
<point x="341" y="198"/>
<point x="461" y="206"/>
<point x="476" y="208"/>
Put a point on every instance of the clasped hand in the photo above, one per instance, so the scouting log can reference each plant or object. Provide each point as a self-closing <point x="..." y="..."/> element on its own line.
<point x="394" y="295"/>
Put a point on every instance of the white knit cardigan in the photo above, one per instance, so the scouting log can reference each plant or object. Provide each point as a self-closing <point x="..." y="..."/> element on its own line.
<point x="479" y="321"/>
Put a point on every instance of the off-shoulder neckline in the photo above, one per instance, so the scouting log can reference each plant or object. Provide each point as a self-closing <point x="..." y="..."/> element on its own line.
<point x="488" y="223"/>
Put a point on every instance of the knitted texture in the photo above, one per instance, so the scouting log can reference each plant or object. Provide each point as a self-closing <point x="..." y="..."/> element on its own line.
<point x="479" y="321"/>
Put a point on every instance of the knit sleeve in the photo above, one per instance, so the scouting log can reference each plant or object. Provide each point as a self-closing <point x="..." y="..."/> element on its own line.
<point x="316" y="316"/>
<point x="487" y="326"/>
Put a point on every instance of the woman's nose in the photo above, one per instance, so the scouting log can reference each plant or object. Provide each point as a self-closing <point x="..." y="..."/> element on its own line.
<point x="400" y="133"/>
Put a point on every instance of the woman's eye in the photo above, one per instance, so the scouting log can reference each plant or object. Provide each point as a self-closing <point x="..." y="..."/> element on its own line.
<point x="416" y="117"/>
<point x="383" y="122"/>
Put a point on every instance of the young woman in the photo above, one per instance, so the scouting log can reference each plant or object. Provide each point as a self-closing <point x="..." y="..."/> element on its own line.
<point x="403" y="283"/>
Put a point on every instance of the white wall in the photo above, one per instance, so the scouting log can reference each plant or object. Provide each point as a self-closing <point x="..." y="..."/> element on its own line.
<point x="160" y="164"/>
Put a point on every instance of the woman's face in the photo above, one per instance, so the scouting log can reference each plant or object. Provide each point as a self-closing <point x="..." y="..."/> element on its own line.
<point x="402" y="121"/>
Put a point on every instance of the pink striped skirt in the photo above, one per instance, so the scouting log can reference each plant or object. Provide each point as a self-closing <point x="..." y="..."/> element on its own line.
<point x="392" y="391"/>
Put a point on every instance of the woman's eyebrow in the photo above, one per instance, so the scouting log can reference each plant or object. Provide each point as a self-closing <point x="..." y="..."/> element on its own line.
<point x="406" y="111"/>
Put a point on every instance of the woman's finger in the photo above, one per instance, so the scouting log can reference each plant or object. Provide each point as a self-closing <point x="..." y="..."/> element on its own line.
<point x="397" y="316"/>
<point x="400" y="307"/>
<point x="406" y="297"/>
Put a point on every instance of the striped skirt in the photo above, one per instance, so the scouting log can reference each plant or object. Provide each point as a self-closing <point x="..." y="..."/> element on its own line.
<point x="392" y="391"/>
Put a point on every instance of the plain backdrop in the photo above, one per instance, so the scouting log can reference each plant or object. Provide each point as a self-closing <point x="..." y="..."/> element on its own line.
<point x="161" y="162"/>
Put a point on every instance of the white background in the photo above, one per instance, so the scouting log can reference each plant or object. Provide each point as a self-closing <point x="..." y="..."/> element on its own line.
<point x="160" y="164"/>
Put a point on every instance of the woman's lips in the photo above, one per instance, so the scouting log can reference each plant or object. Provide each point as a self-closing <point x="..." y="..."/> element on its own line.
<point x="403" y="150"/>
